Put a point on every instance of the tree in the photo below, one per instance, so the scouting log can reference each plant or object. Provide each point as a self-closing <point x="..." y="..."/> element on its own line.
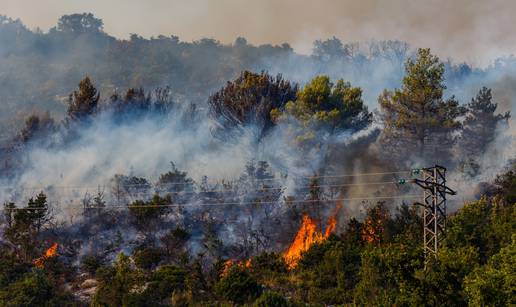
<point x="125" y="187"/>
<point x="83" y="102"/>
<point x="37" y="213"/>
<point x="330" y="50"/>
<point x="330" y="270"/>
<point x="480" y="126"/>
<point x="175" y="242"/>
<point x="136" y="103"/>
<point x="250" y="98"/>
<point x="32" y="289"/>
<point x="175" y="181"/>
<point x="117" y="283"/>
<point x="145" y="214"/>
<point x="164" y="281"/>
<point x="147" y="258"/>
<point x="94" y="207"/>
<point x="37" y="126"/>
<point x="323" y="104"/>
<point x="29" y="219"/>
<point x="135" y="100"/>
<point x="494" y="284"/>
<point x="506" y="186"/>
<point x="26" y="223"/>
<point x="392" y="50"/>
<point x="441" y="283"/>
<point x="386" y="276"/>
<point x="80" y="23"/>
<point x="417" y="117"/>
<point x="374" y="227"/>
<point x="484" y="224"/>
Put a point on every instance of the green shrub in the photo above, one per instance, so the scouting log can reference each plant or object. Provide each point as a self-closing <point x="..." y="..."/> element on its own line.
<point x="148" y="258"/>
<point x="238" y="286"/>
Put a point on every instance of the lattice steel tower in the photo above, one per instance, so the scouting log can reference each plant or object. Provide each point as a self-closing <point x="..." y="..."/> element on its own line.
<point x="434" y="207"/>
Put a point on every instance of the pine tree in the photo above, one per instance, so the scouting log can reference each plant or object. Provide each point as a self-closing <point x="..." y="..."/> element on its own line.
<point x="83" y="102"/>
<point x="324" y="104"/>
<point x="481" y="123"/>
<point x="250" y="98"/>
<point x="417" y="119"/>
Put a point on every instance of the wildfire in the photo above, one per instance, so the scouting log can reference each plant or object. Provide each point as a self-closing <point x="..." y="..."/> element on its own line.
<point x="308" y="234"/>
<point x="49" y="253"/>
<point x="373" y="226"/>
<point x="371" y="232"/>
<point x="332" y="221"/>
<point x="230" y="263"/>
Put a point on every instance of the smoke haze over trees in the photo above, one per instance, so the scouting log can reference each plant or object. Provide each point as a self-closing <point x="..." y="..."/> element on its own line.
<point x="161" y="172"/>
<point x="39" y="69"/>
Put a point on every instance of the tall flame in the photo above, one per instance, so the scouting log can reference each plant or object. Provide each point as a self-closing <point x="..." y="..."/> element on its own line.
<point x="49" y="253"/>
<point x="308" y="235"/>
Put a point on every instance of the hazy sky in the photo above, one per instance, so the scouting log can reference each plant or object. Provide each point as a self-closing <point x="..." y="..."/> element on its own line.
<point x="475" y="31"/>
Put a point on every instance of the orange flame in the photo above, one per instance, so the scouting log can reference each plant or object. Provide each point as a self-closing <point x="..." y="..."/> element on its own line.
<point x="228" y="264"/>
<point x="308" y="235"/>
<point x="49" y="253"/>
<point x="373" y="227"/>
<point x="330" y="228"/>
<point x="332" y="221"/>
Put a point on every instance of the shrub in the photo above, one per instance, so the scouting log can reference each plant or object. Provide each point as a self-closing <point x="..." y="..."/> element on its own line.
<point x="238" y="286"/>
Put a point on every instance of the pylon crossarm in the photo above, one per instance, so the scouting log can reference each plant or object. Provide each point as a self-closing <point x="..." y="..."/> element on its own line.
<point x="441" y="188"/>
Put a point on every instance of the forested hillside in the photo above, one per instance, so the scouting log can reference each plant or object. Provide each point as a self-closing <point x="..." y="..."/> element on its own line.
<point x="38" y="69"/>
<point x="156" y="172"/>
<point x="376" y="261"/>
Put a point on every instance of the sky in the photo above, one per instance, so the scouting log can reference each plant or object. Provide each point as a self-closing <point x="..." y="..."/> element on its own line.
<point x="464" y="30"/>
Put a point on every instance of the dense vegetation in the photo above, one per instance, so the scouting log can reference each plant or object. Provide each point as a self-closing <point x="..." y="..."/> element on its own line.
<point x="475" y="266"/>
<point x="38" y="69"/>
<point x="140" y="243"/>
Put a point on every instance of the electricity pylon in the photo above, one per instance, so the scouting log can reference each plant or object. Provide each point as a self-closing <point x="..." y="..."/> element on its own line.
<point x="434" y="207"/>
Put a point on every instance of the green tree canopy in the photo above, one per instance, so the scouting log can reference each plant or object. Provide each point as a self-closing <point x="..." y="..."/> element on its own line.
<point x="495" y="283"/>
<point x="80" y="23"/>
<point x="323" y="104"/>
<point x="117" y="283"/>
<point x="32" y="289"/>
<point x="416" y="117"/>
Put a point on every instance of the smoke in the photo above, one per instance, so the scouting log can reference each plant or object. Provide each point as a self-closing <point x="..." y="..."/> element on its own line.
<point x="144" y="146"/>
<point x="473" y="31"/>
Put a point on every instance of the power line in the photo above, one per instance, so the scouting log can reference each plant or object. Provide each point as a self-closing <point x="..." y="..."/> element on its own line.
<point x="233" y="190"/>
<point x="410" y="196"/>
<point x="192" y="183"/>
